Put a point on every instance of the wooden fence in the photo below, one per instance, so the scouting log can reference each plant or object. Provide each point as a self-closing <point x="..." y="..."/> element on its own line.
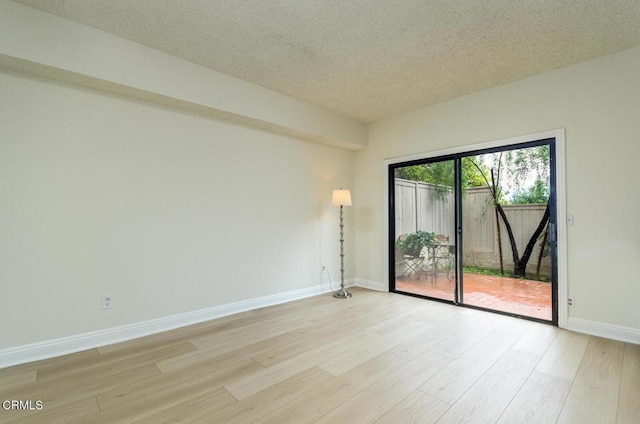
<point x="420" y="207"/>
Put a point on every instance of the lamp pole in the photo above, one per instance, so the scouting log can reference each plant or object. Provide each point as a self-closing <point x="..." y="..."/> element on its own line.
<point x="342" y="293"/>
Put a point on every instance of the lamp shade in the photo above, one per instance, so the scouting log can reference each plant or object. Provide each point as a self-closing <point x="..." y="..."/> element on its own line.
<point x="341" y="198"/>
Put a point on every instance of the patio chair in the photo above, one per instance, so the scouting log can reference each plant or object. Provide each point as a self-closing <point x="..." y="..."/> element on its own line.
<point x="414" y="263"/>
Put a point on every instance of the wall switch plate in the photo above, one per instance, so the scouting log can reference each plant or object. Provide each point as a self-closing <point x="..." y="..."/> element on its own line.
<point x="106" y="302"/>
<point x="570" y="220"/>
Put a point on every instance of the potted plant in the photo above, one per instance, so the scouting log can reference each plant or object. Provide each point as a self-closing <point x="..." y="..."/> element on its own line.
<point x="413" y="243"/>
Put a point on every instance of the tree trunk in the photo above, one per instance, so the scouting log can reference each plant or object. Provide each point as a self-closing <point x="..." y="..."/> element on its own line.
<point x="495" y="201"/>
<point x="542" y="246"/>
<point x="534" y="238"/>
<point x="520" y="263"/>
<point x="512" y="240"/>
<point x="499" y="243"/>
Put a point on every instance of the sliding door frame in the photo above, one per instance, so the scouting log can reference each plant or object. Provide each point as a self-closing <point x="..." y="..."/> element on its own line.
<point x="486" y="147"/>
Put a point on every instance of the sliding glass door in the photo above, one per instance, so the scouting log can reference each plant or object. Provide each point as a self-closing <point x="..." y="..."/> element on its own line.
<point x="477" y="229"/>
<point x="424" y="251"/>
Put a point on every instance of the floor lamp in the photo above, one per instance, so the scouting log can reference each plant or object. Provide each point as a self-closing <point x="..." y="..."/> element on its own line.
<point x="341" y="198"/>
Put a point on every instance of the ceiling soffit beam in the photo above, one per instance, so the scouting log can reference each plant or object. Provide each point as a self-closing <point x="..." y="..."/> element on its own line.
<point x="43" y="44"/>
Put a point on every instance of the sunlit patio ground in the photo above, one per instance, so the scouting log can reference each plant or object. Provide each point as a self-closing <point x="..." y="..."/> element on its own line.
<point x="513" y="295"/>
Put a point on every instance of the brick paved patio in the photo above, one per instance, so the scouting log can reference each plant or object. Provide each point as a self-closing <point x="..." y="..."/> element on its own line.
<point x="513" y="295"/>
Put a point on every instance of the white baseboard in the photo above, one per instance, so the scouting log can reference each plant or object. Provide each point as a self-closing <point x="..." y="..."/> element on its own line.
<point x="76" y="343"/>
<point x="371" y="285"/>
<point x="609" y="331"/>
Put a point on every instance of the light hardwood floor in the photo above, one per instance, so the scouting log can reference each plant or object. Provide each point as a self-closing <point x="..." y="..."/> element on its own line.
<point x="375" y="358"/>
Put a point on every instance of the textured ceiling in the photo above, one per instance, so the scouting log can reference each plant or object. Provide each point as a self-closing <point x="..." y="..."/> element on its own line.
<point x="369" y="59"/>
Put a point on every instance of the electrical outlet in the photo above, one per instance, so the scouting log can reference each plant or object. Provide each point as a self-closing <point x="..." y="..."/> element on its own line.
<point x="571" y="301"/>
<point x="106" y="302"/>
<point x="324" y="268"/>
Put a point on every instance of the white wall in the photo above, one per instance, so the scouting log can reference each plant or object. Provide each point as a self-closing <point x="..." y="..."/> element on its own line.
<point x="167" y="212"/>
<point x="598" y="103"/>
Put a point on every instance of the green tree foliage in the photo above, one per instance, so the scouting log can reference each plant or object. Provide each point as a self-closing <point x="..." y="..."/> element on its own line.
<point x="471" y="176"/>
<point x="414" y="173"/>
<point x="537" y="193"/>
<point x="523" y="165"/>
<point x="442" y="173"/>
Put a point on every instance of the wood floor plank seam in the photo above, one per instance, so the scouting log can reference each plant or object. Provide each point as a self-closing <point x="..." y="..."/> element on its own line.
<point x="620" y="384"/>
<point x="470" y="385"/>
<point x="344" y="387"/>
<point x="548" y="347"/>
<point x="517" y="392"/>
<point x="416" y="408"/>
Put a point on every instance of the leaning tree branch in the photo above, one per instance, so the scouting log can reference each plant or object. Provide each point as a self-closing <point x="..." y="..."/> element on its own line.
<point x="500" y="255"/>
<point x="512" y="239"/>
<point x="542" y="246"/>
<point x="491" y="188"/>
<point x="534" y="238"/>
<point x="499" y="171"/>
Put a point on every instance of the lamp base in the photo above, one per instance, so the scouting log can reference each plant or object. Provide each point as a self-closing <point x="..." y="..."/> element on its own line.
<point x="342" y="294"/>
